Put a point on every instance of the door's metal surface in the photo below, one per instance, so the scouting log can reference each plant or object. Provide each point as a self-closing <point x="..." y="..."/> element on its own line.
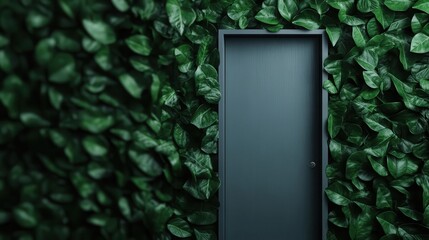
<point x="271" y="135"/>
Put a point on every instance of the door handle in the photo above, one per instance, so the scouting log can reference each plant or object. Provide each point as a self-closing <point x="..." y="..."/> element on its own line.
<point x="312" y="164"/>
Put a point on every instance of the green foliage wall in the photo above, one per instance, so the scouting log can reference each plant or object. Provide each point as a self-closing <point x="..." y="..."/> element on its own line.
<point x="108" y="110"/>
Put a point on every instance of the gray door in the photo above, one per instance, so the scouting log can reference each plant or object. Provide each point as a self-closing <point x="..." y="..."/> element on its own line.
<point x="272" y="110"/>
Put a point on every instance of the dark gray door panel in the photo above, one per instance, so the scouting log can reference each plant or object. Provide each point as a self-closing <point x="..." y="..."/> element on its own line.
<point x="271" y="133"/>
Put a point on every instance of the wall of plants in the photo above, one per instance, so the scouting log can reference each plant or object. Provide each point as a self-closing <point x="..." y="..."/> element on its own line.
<point x="108" y="124"/>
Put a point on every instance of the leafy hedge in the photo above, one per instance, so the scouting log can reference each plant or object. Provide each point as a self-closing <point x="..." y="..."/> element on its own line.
<point x="109" y="115"/>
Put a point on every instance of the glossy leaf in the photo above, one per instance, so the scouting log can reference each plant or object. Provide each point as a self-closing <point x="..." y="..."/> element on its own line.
<point x="287" y="8"/>
<point x="100" y="31"/>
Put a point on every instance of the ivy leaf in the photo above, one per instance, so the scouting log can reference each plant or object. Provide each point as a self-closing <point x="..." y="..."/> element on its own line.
<point x="368" y="60"/>
<point x="398" y="5"/>
<point x="181" y="137"/>
<point x="397" y="167"/>
<point x="378" y="167"/>
<point x="308" y="19"/>
<point x="387" y="221"/>
<point x="267" y="15"/>
<point x="204" y="117"/>
<point x="206" y="83"/>
<point x="33" y="120"/>
<point x="422" y="5"/>
<point x="209" y="141"/>
<point x="420" y="43"/>
<point x="62" y="68"/>
<point x="338" y="194"/>
<point x="384" y="16"/>
<point x="334" y="34"/>
<point x="202" y="218"/>
<point x="418" y="21"/>
<point x="287" y="9"/>
<point x="95" y="145"/>
<point x="361" y="225"/>
<point x="184" y="58"/>
<point x="340" y="4"/>
<point x="239" y="9"/>
<point x="179" y="228"/>
<point x="179" y="16"/>
<point x="100" y="31"/>
<point x="25" y="215"/>
<point x="359" y="36"/>
<point x="131" y="86"/>
<point x="199" y="164"/>
<point x="121" y="5"/>
<point x="372" y="79"/>
<point x="205" y="235"/>
<point x="202" y="189"/>
<point x="145" y="162"/>
<point x="139" y="44"/>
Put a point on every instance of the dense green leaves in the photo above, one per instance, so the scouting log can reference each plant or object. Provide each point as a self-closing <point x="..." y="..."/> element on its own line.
<point x="109" y="115"/>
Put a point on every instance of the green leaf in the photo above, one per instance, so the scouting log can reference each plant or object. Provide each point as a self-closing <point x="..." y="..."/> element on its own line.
<point x="240" y="9"/>
<point x="199" y="164"/>
<point x="361" y="225"/>
<point x="334" y="34"/>
<point x="124" y="207"/>
<point x="349" y="20"/>
<point x="184" y="57"/>
<point x="145" y="162"/>
<point x="206" y="83"/>
<point x="418" y="21"/>
<point x="384" y="197"/>
<point x="100" y="31"/>
<point x="139" y="44"/>
<point x="420" y="43"/>
<point x="334" y="125"/>
<point x="387" y="221"/>
<point x="131" y="85"/>
<point x="33" y="120"/>
<point x="372" y="79"/>
<point x="378" y="167"/>
<point x="422" y="5"/>
<point x="368" y="60"/>
<point x="121" y="5"/>
<point x="179" y="228"/>
<point x="354" y="164"/>
<point x="308" y="19"/>
<point x="397" y="167"/>
<point x="25" y="215"/>
<point x="95" y="122"/>
<point x="205" y="235"/>
<point x="181" y="137"/>
<point x="96" y="146"/>
<point x="411" y="213"/>
<point x="202" y="218"/>
<point x="209" y="141"/>
<point x="62" y="68"/>
<point x="340" y="4"/>
<point x="398" y="5"/>
<point x="338" y="194"/>
<point x="359" y="36"/>
<point x="204" y="117"/>
<point x="179" y="16"/>
<point x="287" y="9"/>
<point x="384" y="16"/>
<point x="267" y="15"/>
<point x="202" y="189"/>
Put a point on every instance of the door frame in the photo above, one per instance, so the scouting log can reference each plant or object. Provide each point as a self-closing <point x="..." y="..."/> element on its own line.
<point x="318" y="34"/>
